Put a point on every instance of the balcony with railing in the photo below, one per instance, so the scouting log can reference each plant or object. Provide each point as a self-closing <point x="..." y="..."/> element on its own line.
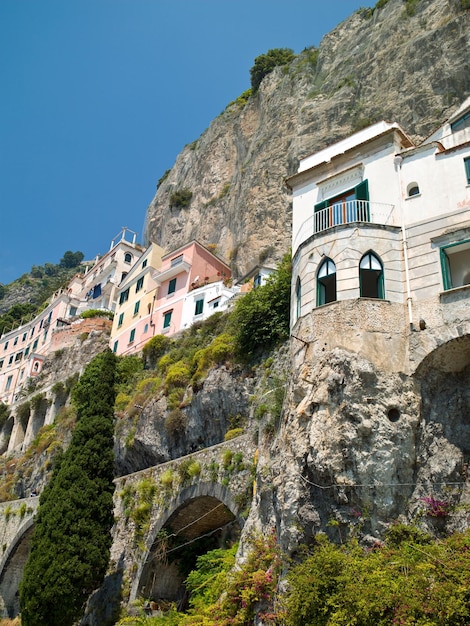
<point x="172" y="268"/>
<point x="343" y="213"/>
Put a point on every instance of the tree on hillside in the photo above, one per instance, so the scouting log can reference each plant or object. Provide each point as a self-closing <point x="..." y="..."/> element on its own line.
<point x="265" y="63"/>
<point x="17" y="315"/>
<point x="71" y="540"/>
<point x="260" y="319"/>
<point x="71" y="259"/>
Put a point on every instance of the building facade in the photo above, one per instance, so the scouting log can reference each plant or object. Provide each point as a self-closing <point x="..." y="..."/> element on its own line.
<point x="382" y="225"/>
<point x="23" y="349"/>
<point x="166" y="293"/>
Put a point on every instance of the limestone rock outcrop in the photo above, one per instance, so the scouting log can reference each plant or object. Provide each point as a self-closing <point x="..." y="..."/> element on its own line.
<point x="394" y="64"/>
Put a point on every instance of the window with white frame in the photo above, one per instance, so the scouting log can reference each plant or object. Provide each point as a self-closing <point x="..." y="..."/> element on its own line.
<point x="199" y="307"/>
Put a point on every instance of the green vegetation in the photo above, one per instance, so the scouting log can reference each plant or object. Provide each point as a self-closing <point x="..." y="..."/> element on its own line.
<point x="68" y="559"/>
<point x="41" y="282"/>
<point x="71" y="259"/>
<point x="222" y="596"/>
<point x="181" y="198"/>
<point x="265" y="64"/>
<point x="258" y="323"/>
<point x="4" y="414"/>
<point x="242" y="100"/>
<point x="154" y="349"/>
<point x="260" y="320"/>
<point x="410" y="7"/>
<point x="410" y="579"/>
<point x="90" y="313"/>
<point x="163" y="177"/>
<point x="17" y="315"/>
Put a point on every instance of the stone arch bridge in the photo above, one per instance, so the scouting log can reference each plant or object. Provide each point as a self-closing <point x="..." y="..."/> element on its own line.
<point x="202" y="494"/>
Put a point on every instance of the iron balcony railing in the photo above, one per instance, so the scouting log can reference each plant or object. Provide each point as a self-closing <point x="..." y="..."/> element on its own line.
<point x="348" y="212"/>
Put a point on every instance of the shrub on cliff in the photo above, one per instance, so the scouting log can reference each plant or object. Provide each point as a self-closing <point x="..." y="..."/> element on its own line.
<point x="260" y="319"/>
<point x="71" y="540"/>
<point x="181" y="198"/>
<point x="410" y="579"/>
<point x="265" y="63"/>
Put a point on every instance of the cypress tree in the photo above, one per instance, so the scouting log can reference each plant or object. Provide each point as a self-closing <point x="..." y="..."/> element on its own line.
<point x="71" y="540"/>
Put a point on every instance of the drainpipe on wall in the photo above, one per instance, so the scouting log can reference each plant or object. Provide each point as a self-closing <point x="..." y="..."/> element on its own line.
<point x="398" y="163"/>
<point x="152" y="323"/>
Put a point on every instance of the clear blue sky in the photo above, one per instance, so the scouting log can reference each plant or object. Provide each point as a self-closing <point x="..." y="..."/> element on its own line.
<point x="98" y="97"/>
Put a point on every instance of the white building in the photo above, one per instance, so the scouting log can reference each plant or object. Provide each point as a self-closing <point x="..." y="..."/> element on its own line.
<point x="377" y="217"/>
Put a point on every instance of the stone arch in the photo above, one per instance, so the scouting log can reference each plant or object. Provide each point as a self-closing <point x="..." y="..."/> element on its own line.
<point x="446" y="350"/>
<point x="197" y="510"/>
<point x="444" y="377"/>
<point x="11" y="569"/>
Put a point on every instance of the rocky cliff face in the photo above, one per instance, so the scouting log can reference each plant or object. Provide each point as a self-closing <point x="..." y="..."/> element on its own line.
<point x="413" y="69"/>
<point x="360" y="447"/>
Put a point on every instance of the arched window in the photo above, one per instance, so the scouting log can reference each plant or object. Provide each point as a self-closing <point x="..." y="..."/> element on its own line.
<point x="298" y="298"/>
<point x="127" y="257"/>
<point x="371" y="277"/>
<point x="326" y="282"/>
<point x="413" y="189"/>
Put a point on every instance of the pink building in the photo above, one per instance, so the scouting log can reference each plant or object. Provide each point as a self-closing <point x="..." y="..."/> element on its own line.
<point x="168" y="294"/>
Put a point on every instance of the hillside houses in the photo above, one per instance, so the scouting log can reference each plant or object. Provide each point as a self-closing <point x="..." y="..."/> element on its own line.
<point x="23" y="349"/>
<point x="150" y="291"/>
<point x="166" y="293"/>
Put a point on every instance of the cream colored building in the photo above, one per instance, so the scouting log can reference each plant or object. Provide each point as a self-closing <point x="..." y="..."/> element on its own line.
<point x="132" y="325"/>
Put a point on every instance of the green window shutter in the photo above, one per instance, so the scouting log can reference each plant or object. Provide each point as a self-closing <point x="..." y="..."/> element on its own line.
<point x="172" y="286"/>
<point x="446" y="274"/>
<point x="362" y="191"/>
<point x="321" y="205"/>
<point x="380" y="286"/>
<point x="467" y="169"/>
<point x="167" y="319"/>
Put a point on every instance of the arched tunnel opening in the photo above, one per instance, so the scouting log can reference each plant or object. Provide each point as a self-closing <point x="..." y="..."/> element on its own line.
<point x="12" y="575"/>
<point x="197" y="526"/>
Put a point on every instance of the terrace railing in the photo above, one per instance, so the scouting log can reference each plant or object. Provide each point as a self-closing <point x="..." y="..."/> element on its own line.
<point x="348" y="212"/>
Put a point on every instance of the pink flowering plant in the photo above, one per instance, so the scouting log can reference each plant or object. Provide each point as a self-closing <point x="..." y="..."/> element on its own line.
<point x="435" y="508"/>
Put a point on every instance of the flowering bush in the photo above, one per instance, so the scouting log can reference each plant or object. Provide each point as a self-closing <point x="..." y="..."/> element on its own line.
<point x="435" y="508"/>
